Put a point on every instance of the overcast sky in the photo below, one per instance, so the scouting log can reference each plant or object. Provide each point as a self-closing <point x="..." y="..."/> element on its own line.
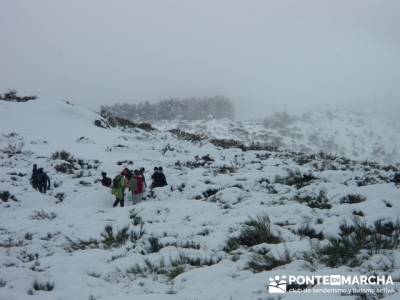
<point x="265" y="55"/>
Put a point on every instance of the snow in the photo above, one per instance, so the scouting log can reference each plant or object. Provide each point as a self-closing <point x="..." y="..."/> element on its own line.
<point x="186" y="220"/>
<point x="357" y="136"/>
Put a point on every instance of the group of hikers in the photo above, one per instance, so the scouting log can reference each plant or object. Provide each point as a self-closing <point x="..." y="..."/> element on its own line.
<point x="40" y="180"/>
<point x="134" y="181"/>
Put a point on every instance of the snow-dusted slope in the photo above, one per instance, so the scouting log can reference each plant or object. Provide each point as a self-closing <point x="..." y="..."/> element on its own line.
<point x="343" y="133"/>
<point x="183" y="241"/>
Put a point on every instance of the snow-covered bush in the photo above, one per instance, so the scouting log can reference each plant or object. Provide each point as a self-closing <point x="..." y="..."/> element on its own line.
<point x="186" y="136"/>
<point x="65" y="167"/>
<point x="112" y="120"/>
<point x="62" y="155"/>
<point x="346" y="249"/>
<point x="266" y="262"/>
<point x="278" y="120"/>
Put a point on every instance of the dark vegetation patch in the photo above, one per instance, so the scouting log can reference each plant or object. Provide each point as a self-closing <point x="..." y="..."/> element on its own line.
<point x="186" y="136"/>
<point x="225" y="169"/>
<point x="173" y="268"/>
<point x="43" y="215"/>
<point x="264" y="182"/>
<point x="296" y="179"/>
<point x="109" y="239"/>
<point x="43" y="286"/>
<point x="210" y="192"/>
<point x="359" y="213"/>
<point x="198" y="162"/>
<point x="5" y="196"/>
<point x="63" y="155"/>
<point x="314" y="201"/>
<point x="111" y="121"/>
<point x="60" y="197"/>
<point x="3" y="283"/>
<point x="65" y="168"/>
<point x="154" y="245"/>
<point x="358" y="237"/>
<point x="306" y="230"/>
<point x="114" y="240"/>
<point x="229" y="143"/>
<point x="353" y="198"/>
<point x="255" y="231"/>
<point x="12" y="96"/>
<point x="71" y="164"/>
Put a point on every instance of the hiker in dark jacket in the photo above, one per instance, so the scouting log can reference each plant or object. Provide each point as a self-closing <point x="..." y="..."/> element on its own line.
<point x="158" y="178"/>
<point x="162" y="177"/>
<point x="43" y="181"/>
<point x="34" y="177"/>
<point x="397" y="179"/>
<point x="105" y="181"/>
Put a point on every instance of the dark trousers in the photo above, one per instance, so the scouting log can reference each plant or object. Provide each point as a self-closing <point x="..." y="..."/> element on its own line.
<point x="43" y="189"/>
<point x="121" y="201"/>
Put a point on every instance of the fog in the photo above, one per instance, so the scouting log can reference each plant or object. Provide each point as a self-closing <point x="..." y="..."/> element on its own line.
<point x="265" y="55"/>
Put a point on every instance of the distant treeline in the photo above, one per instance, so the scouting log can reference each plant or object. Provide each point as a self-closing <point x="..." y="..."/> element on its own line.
<point x="184" y="109"/>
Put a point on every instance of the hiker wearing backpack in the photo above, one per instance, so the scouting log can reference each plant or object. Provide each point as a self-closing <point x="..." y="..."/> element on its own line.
<point x="43" y="181"/>
<point x="118" y="189"/>
<point x="397" y="179"/>
<point x="34" y="177"/>
<point x="136" y="186"/>
<point x="163" y="180"/>
<point x="158" y="178"/>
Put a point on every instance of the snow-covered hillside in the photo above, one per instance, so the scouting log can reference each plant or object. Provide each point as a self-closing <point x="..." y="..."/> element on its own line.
<point x="357" y="136"/>
<point x="228" y="220"/>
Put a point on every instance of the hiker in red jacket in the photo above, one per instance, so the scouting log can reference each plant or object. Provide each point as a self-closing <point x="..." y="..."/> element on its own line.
<point x="136" y="186"/>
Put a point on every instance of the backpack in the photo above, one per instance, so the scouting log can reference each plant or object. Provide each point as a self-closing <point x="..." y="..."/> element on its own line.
<point x="397" y="178"/>
<point x="116" y="183"/>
